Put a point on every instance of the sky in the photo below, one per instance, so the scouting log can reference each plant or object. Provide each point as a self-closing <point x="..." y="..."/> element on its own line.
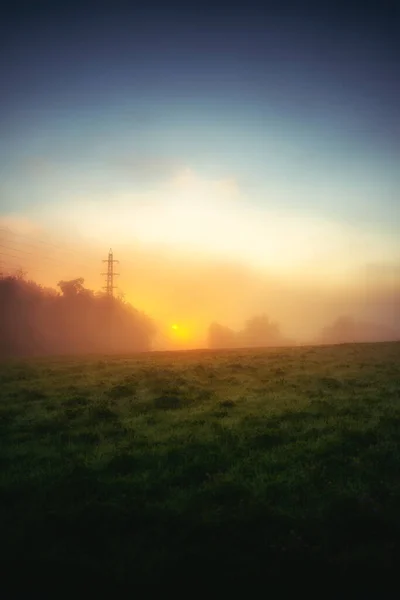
<point x="236" y="160"/>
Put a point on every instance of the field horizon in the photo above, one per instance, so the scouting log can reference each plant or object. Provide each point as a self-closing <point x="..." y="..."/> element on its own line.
<point x="192" y="351"/>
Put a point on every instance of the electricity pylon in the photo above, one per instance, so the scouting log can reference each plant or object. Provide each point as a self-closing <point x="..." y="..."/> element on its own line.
<point x="109" y="287"/>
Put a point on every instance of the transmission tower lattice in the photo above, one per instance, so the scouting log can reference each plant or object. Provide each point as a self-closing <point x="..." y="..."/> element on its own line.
<point x="109" y="287"/>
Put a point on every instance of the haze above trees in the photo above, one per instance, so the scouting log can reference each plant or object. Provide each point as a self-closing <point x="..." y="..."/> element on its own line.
<point x="35" y="321"/>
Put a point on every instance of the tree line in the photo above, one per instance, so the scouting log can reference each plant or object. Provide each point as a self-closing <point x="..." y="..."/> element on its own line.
<point x="348" y="329"/>
<point x="259" y="331"/>
<point x="35" y="320"/>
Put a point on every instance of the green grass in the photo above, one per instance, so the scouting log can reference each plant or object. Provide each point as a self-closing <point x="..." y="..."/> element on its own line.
<point x="215" y="469"/>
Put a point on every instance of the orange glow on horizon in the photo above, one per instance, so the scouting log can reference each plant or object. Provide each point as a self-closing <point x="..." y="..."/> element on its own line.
<point x="184" y="292"/>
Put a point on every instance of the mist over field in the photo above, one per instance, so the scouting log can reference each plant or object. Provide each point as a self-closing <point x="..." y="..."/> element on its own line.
<point x="186" y="293"/>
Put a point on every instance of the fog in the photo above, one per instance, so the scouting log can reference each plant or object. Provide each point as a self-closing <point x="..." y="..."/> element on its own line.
<point x="192" y="299"/>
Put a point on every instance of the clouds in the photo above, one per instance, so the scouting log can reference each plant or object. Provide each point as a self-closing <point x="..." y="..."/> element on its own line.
<point x="216" y="218"/>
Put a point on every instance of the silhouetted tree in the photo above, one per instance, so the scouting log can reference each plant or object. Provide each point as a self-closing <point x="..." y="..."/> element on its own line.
<point x="258" y="331"/>
<point x="36" y="320"/>
<point x="72" y="287"/>
<point x="220" y="336"/>
<point x="346" y="330"/>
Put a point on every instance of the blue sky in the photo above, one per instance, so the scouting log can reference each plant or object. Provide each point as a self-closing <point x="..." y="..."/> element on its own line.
<point x="301" y="110"/>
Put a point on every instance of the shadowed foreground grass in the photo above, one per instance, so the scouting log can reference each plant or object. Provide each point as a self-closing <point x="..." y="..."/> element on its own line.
<point x="230" y="468"/>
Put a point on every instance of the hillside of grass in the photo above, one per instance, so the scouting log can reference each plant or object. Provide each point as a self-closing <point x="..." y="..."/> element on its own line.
<point x="212" y="468"/>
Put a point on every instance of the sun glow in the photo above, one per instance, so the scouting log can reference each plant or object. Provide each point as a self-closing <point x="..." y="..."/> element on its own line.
<point x="181" y="333"/>
<point x="190" y="215"/>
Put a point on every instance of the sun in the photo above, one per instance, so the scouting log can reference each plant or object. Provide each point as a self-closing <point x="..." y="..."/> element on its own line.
<point x="180" y="332"/>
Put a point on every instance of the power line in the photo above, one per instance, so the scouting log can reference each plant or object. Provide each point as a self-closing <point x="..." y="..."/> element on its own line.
<point x="31" y="253"/>
<point x="48" y="258"/>
<point x="14" y="249"/>
<point x="49" y="244"/>
<point x="11" y="255"/>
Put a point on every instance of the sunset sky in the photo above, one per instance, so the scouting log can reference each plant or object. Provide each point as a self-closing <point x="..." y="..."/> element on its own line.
<point x="236" y="161"/>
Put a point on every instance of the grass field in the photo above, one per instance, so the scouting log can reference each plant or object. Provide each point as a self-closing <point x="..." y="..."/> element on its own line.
<point x="229" y="468"/>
